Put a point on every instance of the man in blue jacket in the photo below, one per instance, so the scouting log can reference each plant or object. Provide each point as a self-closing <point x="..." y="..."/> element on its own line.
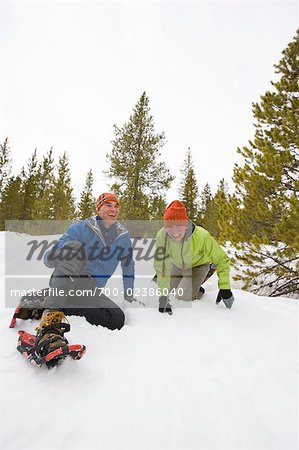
<point x="84" y="259"/>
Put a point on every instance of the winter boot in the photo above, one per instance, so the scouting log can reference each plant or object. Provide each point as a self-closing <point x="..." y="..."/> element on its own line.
<point x="199" y="294"/>
<point x="50" y="333"/>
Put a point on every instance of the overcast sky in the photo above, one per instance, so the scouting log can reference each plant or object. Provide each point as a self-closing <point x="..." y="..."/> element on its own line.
<point x="70" y="70"/>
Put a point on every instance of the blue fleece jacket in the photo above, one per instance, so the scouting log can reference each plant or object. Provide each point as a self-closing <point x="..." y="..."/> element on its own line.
<point x="104" y="252"/>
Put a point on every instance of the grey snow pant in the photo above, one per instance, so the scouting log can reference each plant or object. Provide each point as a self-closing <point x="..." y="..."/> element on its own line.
<point x="187" y="283"/>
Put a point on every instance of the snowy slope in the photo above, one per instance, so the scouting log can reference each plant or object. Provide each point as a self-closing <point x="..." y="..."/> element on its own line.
<point x="204" y="378"/>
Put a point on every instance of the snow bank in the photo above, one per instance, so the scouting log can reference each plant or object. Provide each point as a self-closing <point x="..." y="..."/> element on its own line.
<point x="206" y="377"/>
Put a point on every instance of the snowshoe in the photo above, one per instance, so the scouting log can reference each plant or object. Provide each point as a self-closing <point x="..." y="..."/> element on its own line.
<point x="30" y="307"/>
<point x="49" y="347"/>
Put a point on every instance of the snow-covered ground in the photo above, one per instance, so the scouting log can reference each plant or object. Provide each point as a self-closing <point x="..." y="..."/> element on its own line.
<point x="204" y="378"/>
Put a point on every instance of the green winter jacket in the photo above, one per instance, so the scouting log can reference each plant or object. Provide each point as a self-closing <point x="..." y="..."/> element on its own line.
<point x="197" y="248"/>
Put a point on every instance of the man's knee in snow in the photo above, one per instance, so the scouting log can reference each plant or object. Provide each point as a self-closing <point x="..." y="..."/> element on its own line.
<point x="111" y="318"/>
<point x="118" y="320"/>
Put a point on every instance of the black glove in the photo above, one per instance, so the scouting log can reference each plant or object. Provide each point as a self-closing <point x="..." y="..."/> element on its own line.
<point x="164" y="305"/>
<point x="129" y="298"/>
<point x="227" y="296"/>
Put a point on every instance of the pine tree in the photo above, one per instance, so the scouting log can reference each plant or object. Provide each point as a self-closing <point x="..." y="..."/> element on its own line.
<point x="87" y="200"/>
<point x="63" y="199"/>
<point x="141" y="179"/>
<point x="5" y="165"/>
<point x="11" y="203"/>
<point x="188" y="190"/>
<point x="44" y="204"/>
<point x="221" y="199"/>
<point x="157" y="206"/>
<point x="208" y="211"/>
<point x="263" y="213"/>
<point x="5" y="170"/>
<point x="30" y="187"/>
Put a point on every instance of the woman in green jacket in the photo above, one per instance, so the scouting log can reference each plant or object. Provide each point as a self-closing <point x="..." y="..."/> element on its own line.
<point x="183" y="257"/>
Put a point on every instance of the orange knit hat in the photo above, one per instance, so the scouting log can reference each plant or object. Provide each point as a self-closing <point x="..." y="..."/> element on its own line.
<point x="176" y="211"/>
<point x="106" y="197"/>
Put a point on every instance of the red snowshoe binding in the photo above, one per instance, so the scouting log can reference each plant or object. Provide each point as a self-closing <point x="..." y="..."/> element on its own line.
<point x="49" y="346"/>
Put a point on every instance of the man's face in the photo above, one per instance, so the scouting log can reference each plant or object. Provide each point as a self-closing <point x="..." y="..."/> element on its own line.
<point x="176" y="231"/>
<point x="109" y="212"/>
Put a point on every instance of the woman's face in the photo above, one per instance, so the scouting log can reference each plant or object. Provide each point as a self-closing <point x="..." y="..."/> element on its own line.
<point x="176" y="231"/>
